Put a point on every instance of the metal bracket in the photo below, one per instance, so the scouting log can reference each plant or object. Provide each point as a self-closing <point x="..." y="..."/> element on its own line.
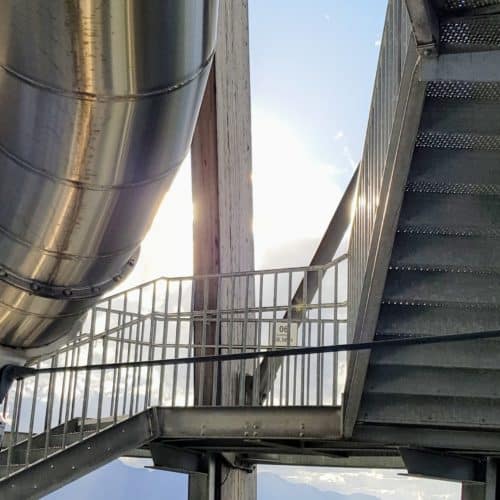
<point x="175" y="459"/>
<point x="425" y="25"/>
<point x="432" y="464"/>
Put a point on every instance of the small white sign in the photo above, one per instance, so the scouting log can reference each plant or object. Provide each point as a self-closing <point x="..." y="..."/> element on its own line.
<point x="286" y="334"/>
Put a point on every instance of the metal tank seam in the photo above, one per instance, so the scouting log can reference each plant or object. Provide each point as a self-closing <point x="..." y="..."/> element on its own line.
<point x="42" y="316"/>
<point x="52" y="253"/>
<point x="89" y="96"/>
<point x="67" y="292"/>
<point x="81" y="184"/>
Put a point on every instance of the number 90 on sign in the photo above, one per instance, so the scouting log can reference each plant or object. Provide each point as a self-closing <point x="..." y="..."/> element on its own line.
<point x="286" y="334"/>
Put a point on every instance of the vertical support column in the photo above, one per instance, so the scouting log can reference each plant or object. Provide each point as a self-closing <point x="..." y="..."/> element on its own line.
<point x="473" y="491"/>
<point x="222" y="195"/>
<point x="492" y="489"/>
<point x="488" y="491"/>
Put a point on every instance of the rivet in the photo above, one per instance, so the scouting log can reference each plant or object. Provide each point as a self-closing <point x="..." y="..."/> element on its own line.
<point x="51" y="466"/>
<point x="301" y="434"/>
<point x="246" y="434"/>
<point x="67" y="292"/>
<point x="131" y="262"/>
<point x="35" y="287"/>
<point x="95" y="289"/>
<point x="3" y="273"/>
<point x="73" y="467"/>
<point x="255" y="434"/>
<point x="117" y="278"/>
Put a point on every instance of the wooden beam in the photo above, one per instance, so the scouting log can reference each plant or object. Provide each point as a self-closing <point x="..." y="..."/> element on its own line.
<point x="222" y="195"/>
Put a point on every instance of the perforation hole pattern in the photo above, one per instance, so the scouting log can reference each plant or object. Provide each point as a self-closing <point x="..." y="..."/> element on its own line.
<point x="464" y="90"/>
<point x="469" y="4"/>
<point x="442" y="140"/>
<point x="473" y="33"/>
<point x="453" y="188"/>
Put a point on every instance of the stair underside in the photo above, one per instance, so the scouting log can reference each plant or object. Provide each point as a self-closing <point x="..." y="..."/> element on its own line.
<point x="444" y="274"/>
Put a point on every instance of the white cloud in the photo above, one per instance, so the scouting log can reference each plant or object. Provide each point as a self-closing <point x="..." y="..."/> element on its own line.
<point x="384" y="484"/>
<point x="136" y="463"/>
<point x="339" y="135"/>
<point x="349" y="157"/>
<point x="294" y="194"/>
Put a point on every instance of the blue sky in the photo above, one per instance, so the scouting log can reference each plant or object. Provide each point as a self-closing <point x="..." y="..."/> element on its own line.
<point x="313" y="64"/>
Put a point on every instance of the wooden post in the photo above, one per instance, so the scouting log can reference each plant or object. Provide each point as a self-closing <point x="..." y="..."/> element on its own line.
<point x="222" y="195"/>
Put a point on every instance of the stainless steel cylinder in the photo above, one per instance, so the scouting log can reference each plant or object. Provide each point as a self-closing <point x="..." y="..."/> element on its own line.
<point x="98" y="102"/>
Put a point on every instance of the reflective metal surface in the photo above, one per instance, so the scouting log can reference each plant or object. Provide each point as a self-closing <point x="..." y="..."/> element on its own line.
<point x="98" y="102"/>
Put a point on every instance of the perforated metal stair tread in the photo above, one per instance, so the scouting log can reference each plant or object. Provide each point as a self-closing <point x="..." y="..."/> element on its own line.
<point x="460" y="5"/>
<point x="422" y="251"/>
<point x="450" y="211"/>
<point x="425" y="410"/>
<point x="463" y="90"/>
<point x="442" y="287"/>
<point x="456" y="231"/>
<point x="463" y="167"/>
<point x="466" y="116"/>
<point x="470" y="33"/>
<point x="446" y="140"/>
<point x="447" y="382"/>
<point x="419" y="319"/>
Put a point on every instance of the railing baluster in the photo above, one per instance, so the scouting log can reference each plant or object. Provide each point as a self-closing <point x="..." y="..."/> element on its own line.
<point x="177" y="340"/>
<point x="164" y="343"/>
<point x="90" y="357"/>
<point x="245" y="322"/>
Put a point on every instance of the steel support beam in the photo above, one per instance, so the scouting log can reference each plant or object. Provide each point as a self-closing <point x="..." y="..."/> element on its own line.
<point x="76" y="461"/>
<point x="425" y="26"/>
<point x="252" y="423"/>
<point x="400" y="153"/>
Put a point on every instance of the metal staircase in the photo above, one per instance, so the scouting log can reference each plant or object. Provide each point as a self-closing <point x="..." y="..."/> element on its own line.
<point x="432" y="265"/>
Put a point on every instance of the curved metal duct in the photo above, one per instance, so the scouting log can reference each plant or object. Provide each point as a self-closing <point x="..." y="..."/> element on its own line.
<point x="98" y="102"/>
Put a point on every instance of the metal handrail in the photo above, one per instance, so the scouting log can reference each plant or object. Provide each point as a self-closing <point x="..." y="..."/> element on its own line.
<point x="154" y="324"/>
